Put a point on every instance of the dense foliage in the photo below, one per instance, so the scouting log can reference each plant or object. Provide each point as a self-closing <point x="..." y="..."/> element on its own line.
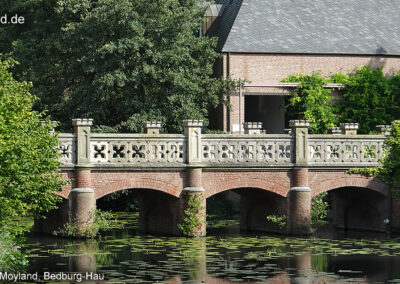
<point x="12" y="259"/>
<point x="319" y="209"/>
<point x="368" y="98"/>
<point x="120" y="62"/>
<point x="279" y="220"/>
<point x="312" y="101"/>
<point x="28" y="154"/>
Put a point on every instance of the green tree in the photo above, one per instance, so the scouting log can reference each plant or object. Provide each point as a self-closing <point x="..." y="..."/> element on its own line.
<point x="28" y="154"/>
<point x="312" y="101"/>
<point x="369" y="98"/>
<point x="118" y="61"/>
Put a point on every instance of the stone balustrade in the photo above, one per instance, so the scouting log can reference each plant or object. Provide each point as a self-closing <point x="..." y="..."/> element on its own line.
<point x="248" y="150"/>
<point x="345" y="150"/>
<point x="154" y="150"/>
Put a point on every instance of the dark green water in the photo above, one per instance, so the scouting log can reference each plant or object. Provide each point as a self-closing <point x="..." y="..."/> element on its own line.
<point x="123" y="256"/>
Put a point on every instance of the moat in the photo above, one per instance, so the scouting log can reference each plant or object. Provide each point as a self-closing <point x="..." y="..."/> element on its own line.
<point x="226" y="255"/>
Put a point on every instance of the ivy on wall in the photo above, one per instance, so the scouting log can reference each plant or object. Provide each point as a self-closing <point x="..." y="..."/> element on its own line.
<point x="192" y="215"/>
<point x="369" y="98"/>
<point x="312" y="101"/>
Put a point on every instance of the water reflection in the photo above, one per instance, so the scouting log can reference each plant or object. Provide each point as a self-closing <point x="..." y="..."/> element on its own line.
<point x="130" y="258"/>
<point x="86" y="260"/>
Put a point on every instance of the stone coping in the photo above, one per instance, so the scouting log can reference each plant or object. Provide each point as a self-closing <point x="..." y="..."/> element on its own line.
<point x="301" y="188"/>
<point x="119" y="136"/>
<point x="82" y="190"/>
<point x="193" y="189"/>
<point x="223" y="166"/>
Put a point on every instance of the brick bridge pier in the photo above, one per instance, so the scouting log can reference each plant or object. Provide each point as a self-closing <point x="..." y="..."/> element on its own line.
<point x="272" y="173"/>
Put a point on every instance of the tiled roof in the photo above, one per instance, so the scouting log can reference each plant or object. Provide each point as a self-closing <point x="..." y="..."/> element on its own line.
<point x="305" y="26"/>
<point x="223" y="25"/>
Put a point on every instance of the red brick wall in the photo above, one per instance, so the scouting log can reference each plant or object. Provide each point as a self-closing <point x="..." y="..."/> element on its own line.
<point x="273" y="68"/>
<point x="170" y="182"/>
<point x="217" y="180"/>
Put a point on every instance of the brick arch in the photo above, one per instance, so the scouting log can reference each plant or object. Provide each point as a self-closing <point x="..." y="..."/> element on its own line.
<point x="219" y="186"/>
<point x="169" y="182"/>
<point x="350" y="181"/>
<point x="110" y="187"/>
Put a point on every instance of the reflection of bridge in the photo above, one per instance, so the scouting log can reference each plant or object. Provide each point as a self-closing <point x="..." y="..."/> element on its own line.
<point x="273" y="173"/>
<point x="306" y="264"/>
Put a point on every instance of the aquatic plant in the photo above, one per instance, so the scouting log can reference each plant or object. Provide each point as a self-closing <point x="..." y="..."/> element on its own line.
<point x="102" y="220"/>
<point x="279" y="220"/>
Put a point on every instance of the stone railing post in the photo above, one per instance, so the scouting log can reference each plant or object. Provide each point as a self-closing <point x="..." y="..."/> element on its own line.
<point x="252" y="127"/>
<point x="384" y="129"/>
<point x="152" y="127"/>
<point x="349" y="128"/>
<point x="300" y="131"/>
<point x="334" y="130"/>
<point x="82" y="127"/>
<point x="193" y="189"/>
<point x="299" y="196"/>
<point x="82" y="202"/>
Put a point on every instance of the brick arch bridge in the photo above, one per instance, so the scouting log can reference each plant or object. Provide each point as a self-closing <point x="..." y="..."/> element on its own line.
<point x="281" y="172"/>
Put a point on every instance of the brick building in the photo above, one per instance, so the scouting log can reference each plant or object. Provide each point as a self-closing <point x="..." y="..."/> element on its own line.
<point x="264" y="41"/>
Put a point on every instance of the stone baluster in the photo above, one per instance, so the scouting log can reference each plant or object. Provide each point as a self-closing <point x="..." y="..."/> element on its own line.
<point x="349" y="128"/>
<point x="152" y="127"/>
<point x="299" y="196"/>
<point x="252" y="127"/>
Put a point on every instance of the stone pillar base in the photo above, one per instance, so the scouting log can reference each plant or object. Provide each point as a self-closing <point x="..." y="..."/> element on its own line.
<point x="196" y="195"/>
<point x="82" y="205"/>
<point x="299" y="211"/>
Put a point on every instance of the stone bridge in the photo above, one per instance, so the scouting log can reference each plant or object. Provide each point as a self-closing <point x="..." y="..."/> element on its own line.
<point x="272" y="174"/>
